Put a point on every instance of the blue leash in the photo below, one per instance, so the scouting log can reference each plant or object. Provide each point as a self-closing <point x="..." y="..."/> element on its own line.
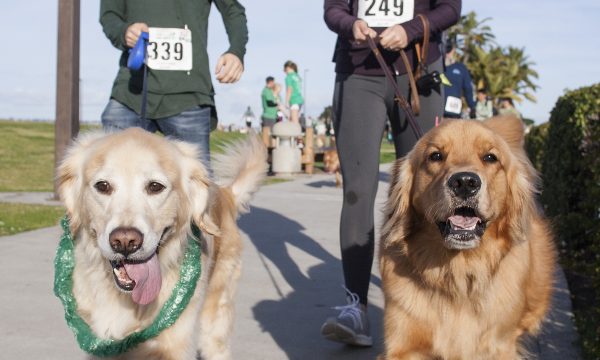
<point x="137" y="59"/>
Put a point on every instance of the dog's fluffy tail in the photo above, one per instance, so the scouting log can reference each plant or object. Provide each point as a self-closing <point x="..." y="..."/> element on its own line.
<point x="242" y="166"/>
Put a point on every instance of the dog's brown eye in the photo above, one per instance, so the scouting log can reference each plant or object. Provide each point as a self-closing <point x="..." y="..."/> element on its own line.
<point x="491" y="158"/>
<point x="103" y="187"/>
<point x="154" y="187"/>
<point x="436" y="156"/>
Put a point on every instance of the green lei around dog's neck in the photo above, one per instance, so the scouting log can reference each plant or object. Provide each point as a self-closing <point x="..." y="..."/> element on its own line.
<point x="88" y="341"/>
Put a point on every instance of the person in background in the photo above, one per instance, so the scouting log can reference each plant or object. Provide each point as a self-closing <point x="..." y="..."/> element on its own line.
<point x="180" y="101"/>
<point x="363" y="100"/>
<point x="248" y="117"/>
<point x="484" y="107"/>
<point x="507" y="107"/>
<point x="293" y="94"/>
<point x="281" y="110"/>
<point x="461" y="86"/>
<point x="269" y="103"/>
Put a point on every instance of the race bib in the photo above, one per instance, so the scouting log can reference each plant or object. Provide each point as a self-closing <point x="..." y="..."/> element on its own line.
<point x="385" y="13"/>
<point x="453" y="105"/>
<point x="170" y="49"/>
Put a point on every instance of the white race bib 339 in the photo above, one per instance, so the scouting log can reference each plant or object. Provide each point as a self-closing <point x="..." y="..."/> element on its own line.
<point x="169" y="49"/>
<point x="385" y="13"/>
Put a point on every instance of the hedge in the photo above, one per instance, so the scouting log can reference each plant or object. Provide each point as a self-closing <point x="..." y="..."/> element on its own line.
<point x="567" y="152"/>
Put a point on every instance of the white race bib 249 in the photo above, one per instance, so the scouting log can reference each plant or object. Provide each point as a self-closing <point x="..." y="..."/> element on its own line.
<point x="385" y="13"/>
<point x="170" y="49"/>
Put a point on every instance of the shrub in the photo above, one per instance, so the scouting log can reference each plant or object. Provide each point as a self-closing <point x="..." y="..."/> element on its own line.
<point x="570" y="165"/>
<point x="535" y="142"/>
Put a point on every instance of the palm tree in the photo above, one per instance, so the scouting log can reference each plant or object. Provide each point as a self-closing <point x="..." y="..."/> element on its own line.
<point x="469" y="34"/>
<point x="504" y="72"/>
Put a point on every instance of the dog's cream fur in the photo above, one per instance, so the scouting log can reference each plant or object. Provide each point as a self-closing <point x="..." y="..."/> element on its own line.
<point x="129" y="160"/>
<point x="464" y="304"/>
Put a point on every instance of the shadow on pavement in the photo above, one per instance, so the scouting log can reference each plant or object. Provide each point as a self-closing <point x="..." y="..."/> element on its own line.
<point x="294" y="321"/>
<point x="322" y="183"/>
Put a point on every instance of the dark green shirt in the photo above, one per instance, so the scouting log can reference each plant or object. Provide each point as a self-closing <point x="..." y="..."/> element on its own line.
<point x="171" y="92"/>
<point x="269" y="104"/>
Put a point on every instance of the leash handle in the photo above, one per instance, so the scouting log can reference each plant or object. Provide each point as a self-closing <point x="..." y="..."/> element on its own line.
<point x="144" y="94"/>
<point x="137" y="59"/>
<point x="417" y="130"/>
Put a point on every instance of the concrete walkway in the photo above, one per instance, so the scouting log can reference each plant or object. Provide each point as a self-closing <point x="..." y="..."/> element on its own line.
<point x="291" y="278"/>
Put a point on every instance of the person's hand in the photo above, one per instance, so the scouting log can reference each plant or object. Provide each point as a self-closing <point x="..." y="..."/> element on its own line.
<point x="229" y="69"/>
<point x="394" y="38"/>
<point x="360" y="30"/>
<point x="133" y="32"/>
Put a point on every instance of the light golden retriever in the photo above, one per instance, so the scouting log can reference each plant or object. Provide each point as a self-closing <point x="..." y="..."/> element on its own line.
<point x="466" y="258"/>
<point x="131" y="198"/>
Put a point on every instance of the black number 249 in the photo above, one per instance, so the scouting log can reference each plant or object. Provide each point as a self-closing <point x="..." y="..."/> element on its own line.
<point x="384" y="6"/>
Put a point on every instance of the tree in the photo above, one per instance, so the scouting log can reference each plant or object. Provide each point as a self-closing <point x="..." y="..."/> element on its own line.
<point x="470" y="34"/>
<point x="327" y="115"/>
<point x="502" y="71"/>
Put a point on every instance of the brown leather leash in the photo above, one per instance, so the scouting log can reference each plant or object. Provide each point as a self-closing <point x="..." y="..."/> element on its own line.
<point x="414" y="107"/>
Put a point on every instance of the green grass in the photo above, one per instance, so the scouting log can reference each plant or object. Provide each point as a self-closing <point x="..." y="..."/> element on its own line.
<point x="16" y="218"/>
<point x="27" y="154"/>
<point x="274" y="180"/>
<point x="220" y="138"/>
<point x="387" y="154"/>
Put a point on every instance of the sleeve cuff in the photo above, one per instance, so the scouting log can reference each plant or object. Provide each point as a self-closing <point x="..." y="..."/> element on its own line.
<point x="414" y="29"/>
<point x="122" y="43"/>
<point x="346" y="27"/>
<point x="237" y="52"/>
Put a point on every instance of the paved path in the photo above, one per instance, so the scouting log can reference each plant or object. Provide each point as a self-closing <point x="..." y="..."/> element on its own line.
<point x="291" y="279"/>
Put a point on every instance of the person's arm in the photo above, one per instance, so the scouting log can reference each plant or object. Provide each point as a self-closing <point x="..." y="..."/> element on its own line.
<point x="467" y="88"/>
<point x="338" y="17"/>
<point x="234" y="19"/>
<point x="445" y="14"/>
<point x="270" y="99"/>
<point x="230" y="65"/>
<point x="112" y="19"/>
<point x="288" y="95"/>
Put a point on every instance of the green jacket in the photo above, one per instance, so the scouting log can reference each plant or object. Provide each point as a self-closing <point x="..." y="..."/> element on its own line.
<point x="171" y="92"/>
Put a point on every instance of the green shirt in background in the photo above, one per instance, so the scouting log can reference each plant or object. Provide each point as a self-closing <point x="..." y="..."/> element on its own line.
<point x="293" y="81"/>
<point x="171" y="92"/>
<point x="268" y="99"/>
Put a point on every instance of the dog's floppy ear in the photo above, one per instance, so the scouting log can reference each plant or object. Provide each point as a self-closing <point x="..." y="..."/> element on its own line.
<point x="522" y="188"/>
<point x="70" y="176"/>
<point x="397" y="209"/>
<point x="195" y="187"/>
<point x="509" y="127"/>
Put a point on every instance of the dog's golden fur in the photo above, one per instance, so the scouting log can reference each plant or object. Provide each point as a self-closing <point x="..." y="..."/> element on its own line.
<point x="476" y="303"/>
<point x="331" y="165"/>
<point x="129" y="160"/>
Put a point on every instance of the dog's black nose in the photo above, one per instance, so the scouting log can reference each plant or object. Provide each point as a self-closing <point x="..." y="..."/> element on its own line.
<point x="125" y="240"/>
<point x="464" y="184"/>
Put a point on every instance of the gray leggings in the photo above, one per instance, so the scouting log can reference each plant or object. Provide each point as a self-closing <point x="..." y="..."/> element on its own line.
<point x="361" y="106"/>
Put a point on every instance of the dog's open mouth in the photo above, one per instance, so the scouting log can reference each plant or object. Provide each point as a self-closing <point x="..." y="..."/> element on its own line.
<point x="142" y="278"/>
<point x="462" y="230"/>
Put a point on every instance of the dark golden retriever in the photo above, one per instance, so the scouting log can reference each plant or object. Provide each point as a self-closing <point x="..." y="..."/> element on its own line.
<point x="466" y="257"/>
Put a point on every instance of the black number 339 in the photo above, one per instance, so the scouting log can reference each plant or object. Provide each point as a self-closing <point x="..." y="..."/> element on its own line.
<point x="397" y="7"/>
<point x="165" y="50"/>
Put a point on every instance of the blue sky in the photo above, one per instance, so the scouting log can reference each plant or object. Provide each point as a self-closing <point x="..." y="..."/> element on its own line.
<point x="561" y="37"/>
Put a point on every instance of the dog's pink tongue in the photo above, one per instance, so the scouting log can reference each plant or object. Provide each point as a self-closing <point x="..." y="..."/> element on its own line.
<point x="463" y="222"/>
<point x="147" y="280"/>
